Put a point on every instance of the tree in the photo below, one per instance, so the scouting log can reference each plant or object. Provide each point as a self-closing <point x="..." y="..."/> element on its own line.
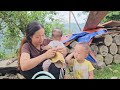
<point x="112" y="15"/>
<point x="13" y="24"/>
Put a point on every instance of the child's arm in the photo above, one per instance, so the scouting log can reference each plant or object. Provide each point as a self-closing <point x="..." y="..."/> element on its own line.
<point x="91" y="75"/>
<point x="46" y="47"/>
<point x="91" y="68"/>
<point x="69" y="59"/>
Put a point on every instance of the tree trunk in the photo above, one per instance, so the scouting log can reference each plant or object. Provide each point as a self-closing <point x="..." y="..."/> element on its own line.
<point x="116" y="58"/>
<point x="94" y="48"/>
<point x="117" y="39"/>
<point x="108" y="40"/>
<point x="108" y="59"/>
<point x="113" y="49"/>
<point x="103" y="50"/>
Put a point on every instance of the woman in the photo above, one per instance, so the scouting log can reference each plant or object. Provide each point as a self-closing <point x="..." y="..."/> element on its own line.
<point x="31" y="56"/>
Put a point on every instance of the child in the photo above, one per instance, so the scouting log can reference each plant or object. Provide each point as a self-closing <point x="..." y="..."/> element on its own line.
<point x="82" y="69"/>
<point x="58" y="61"/>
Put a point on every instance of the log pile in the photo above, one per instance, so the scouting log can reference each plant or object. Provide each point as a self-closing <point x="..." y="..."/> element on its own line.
<point x="8" y="69"/>
<point x="107" y="48"/>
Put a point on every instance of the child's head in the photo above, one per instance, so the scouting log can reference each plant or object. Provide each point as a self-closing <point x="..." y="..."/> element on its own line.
<point x="81" y="51"/>
<point x="56" y="34"/>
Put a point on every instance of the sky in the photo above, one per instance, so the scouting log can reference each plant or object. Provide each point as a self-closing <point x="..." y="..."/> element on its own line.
<point x="65" y="16"/>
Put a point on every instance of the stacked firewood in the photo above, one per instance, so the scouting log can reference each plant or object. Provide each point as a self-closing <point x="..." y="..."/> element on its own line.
<point x="107" y="48"/>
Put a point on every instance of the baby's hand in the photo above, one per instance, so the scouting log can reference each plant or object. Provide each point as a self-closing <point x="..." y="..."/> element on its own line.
<point x="59" y="47"/>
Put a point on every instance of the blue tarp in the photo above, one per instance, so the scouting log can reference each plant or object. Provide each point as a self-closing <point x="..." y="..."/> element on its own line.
<point x="86" y="37"/>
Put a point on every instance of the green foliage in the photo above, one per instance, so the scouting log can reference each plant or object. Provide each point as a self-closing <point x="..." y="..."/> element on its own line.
<point x="2" y="55"/>
<point x="13" y="24"/>
<point x="112" y="15"/>
<point x="108" y="72"/>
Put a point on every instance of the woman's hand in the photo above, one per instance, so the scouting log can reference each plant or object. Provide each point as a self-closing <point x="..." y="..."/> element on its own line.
<point x="50" y="53"/>
<point x="62" y="50"/>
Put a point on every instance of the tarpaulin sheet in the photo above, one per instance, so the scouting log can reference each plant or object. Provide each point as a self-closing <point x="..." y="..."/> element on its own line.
<point x="86" y="37"/>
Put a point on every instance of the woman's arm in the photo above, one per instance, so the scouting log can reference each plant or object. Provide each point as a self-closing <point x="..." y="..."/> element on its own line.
<point x="26" y="63"/>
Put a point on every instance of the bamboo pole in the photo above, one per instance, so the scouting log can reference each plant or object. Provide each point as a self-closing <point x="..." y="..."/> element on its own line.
<point x="76" y="20"/>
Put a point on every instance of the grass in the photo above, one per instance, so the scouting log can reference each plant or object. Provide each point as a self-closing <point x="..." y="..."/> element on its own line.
<point x="108" y="72"/>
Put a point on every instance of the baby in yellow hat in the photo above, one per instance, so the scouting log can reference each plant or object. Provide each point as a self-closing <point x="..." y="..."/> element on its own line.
<point x="58" y="60"/>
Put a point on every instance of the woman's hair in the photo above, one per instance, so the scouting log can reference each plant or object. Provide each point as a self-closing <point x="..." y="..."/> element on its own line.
<point x="30" y="30"/>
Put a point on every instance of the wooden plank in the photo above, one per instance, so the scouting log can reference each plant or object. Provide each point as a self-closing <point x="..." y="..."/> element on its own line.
<point x="4" y="64"/>
<point x="111" y="23"/>
<point x="94" y="18"/>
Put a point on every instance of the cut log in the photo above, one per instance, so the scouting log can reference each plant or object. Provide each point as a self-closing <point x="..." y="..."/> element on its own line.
<point x="94" y="48"/>
<point x="113" y="49"/>
<point x="108" y="40"/>
<point x="108" y="59"/>
<point x="116" y="58"/>
<point x="103" y="50"/>
<point x="99" y="58"/>
<point x="101" y="65"/>
<point x="117" y="39"/>
<point x="118" y="49"/>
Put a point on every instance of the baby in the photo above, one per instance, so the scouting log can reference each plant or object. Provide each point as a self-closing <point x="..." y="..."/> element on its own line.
<point x="58" y="61"/>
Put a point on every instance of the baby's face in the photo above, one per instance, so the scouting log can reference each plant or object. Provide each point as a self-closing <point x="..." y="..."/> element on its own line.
<point x="57" y="35"/>
<point x="80" y="53"/>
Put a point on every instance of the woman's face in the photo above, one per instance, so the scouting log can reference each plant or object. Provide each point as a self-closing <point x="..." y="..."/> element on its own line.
<point x="38" y="37"/>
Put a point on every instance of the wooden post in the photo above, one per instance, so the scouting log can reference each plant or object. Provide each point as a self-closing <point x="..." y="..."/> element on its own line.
<point x="69" y="21"/>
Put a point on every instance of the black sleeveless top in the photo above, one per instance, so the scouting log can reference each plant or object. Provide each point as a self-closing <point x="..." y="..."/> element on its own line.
<point x="29" y="73"/>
